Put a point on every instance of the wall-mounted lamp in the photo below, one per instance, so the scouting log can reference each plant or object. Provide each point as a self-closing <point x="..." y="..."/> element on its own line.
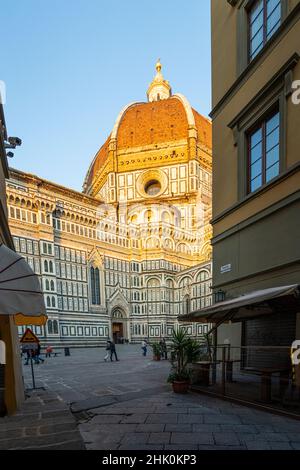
<point x="219" y="296"/>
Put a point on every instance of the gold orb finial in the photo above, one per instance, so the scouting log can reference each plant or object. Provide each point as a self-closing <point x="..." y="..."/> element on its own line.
<point x="158" y="66"/>
<point x="159" y="88"/>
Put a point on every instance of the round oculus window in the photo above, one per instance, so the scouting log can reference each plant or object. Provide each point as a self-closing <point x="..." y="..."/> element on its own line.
<point x="153" y="188"/>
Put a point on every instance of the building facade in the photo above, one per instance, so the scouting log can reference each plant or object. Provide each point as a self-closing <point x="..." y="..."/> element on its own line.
<point x="131" y="252"/>
<point x="11" y="384"/>
<point x="256" y="196"/>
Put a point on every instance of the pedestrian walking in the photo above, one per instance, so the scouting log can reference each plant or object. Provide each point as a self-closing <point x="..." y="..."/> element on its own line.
<point x="113" y="351"/>
<point x="37" y="355"/>
<point x="107" y="351"/>
<point x="164" y="349"/>
<point x="144" y="347"/>
<point x="29" y="354"/>
<point x="49" y="351"/>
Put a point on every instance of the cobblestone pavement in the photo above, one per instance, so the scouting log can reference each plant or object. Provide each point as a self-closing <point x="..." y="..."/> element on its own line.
<point x="165" y="421"/>
<point x="44" y="422"/>
<point x="85" y="379"/>
<point x="128" y="405"/>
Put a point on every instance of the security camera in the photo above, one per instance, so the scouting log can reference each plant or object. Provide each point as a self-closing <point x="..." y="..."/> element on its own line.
<point x="15" y="141"/>
<point x="10" y="154"/>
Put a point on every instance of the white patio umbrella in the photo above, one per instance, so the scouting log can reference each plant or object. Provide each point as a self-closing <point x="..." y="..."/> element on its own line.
<point x="20" y="291"/>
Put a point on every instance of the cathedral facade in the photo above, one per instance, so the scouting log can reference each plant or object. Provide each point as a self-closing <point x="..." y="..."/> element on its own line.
<point x="131" y="252"/>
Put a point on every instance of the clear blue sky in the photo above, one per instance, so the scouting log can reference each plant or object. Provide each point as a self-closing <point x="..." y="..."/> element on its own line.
<point x="71" y="65"/>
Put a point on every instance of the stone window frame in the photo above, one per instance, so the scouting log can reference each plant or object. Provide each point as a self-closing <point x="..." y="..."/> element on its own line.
<point x="275" y="93"/>
<point x="261" y="125"/>
<point x="243" y="60"/>
<point x="258" y="114"/>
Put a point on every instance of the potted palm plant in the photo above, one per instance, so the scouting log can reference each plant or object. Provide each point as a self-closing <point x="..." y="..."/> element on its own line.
<point x="184" y="351"/>
<point x="156" y="351"/>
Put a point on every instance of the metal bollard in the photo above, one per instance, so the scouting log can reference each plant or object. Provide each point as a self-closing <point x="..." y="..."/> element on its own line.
<point x="67" y="352"/>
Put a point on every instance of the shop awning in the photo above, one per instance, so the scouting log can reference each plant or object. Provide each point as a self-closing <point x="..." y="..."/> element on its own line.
<point x="20" y="291"/>
<point x="254" y="304"/>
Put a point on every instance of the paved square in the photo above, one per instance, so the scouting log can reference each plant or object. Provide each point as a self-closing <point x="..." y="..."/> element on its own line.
<point x="128" y="405"/>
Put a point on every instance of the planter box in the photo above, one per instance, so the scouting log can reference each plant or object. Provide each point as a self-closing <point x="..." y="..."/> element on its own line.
<point x="180" y="387"/>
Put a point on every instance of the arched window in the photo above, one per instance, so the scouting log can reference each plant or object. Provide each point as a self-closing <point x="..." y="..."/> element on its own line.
<point x="186" y="305"/>
<point x="48" y="302"/>
<point x="53" y="301"/>
<point x="50" y="327"/>
<point x="170" y="290"/>
<point x="55" y="327"/>
<point x="95" y="286"/>
<point x="46" y="269"/>
<point x="149" y="216"/>
<point x="52" y="285"/>
<point x="165" y="217"/>
<point x="51" y="266"/>
<point x="47" y="284"/>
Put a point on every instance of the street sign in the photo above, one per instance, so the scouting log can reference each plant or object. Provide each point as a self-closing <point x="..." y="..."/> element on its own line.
<point x="29" y="346"/>
<point x="225" y="269"/>
<point x="29" y="337"/>
<point x="30" y="343"/>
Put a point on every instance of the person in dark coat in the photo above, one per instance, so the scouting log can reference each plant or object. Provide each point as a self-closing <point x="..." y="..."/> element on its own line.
<point x="37" y="356"/>
<point x="164" y="349"/>
<point x="113" y="351"/>
<point x="29" y="354"/>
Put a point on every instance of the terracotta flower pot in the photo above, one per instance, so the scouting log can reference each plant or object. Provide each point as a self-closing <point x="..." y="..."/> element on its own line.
<point x="180" y="387"/>
<point x="156" y="358"/>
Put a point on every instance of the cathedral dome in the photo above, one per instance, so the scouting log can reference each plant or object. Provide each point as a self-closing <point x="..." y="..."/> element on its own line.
<point x="164" y="119"/>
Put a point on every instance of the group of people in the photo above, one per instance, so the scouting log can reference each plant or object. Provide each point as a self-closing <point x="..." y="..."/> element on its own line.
<point x="110" y="351"/>
<point x="163" y="348"/>
<point x="35" y="354"/>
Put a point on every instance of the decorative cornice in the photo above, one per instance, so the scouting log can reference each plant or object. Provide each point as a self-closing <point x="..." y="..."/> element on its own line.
<point x="151" y="160"/>
<point x="279" y="76"/>
<point x="50" y="186"/>
<point x="286" y="174"/>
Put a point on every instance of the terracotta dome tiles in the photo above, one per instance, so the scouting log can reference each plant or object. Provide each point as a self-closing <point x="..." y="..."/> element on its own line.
<point x="144" y="124"/>
<point x="204" y="128"/>
<point x="153" y="123"/>
<point x="98" y="162"/>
